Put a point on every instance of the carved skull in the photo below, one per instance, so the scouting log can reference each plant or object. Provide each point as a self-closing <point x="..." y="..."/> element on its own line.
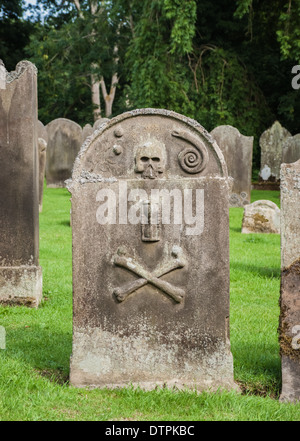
<point x="150" y="159"/>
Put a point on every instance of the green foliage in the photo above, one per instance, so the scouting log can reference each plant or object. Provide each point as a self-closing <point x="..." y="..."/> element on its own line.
<point x="288" y="33"/>
<point x="183" y="17"/>
<point x="61" y="83"/>
<point x="218" y="62"/>
<point x="14" y="32"/>
<point x="66" y="55"/>
<point x="11" y="8"/>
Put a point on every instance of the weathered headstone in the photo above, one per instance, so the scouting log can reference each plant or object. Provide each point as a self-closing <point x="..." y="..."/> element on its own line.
<point x="261" y="217"/>
<point x="87" y="131"/>
<point x="2" y="75"/>
<point x="291" y="149"/>
<point x="20" y="273"/>
<point x="42" y="147"/>
<point x="99" y="122"/>
<point x="42" y="131"/>
<point x="150" y="255"/>
<point x="271" y="144"/>
<point x="289" y="324"/>
<point x="237" y="150"/>
<point x="64" y="142"/>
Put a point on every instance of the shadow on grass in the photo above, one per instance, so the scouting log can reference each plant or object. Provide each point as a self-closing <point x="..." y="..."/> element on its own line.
<point x="235" y="229"/>
<point x="47" y="352"/>
<point x="65" y="223"/>
<point x="272" y="273"/>
<point x="257" y="371"/>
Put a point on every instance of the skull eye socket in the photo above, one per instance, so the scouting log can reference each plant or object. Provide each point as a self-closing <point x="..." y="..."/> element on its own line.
<point x="155" y="159"/>
<point x="144" y="158"/>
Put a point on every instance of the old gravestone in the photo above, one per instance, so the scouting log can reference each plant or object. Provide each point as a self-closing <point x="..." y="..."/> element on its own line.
<point x="99" y="122"/>
<point x="64" y="142"/>
<point x="150" y="255"/>
<point x="289" y="323"/>
<point x="261" y="217"/>
<point x="42" y="147"/>
<point x="20" y="273"/>
<point x="291" y="149"/>
<point x="87" y="131"/>
<point x="271" y="144"/>
<point x="237" y="150"/>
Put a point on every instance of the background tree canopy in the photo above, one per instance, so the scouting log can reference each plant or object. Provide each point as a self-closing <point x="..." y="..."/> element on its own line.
<point x="219" y="62"/>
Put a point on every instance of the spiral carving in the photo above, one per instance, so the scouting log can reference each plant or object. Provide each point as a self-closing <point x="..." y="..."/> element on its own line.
<point x="192" y="159"/>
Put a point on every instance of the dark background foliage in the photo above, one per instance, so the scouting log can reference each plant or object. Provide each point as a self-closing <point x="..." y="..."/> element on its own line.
<point x="219" y="62"/>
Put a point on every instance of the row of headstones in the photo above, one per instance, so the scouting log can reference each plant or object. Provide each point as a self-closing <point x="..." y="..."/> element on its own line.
<point x="59" y="144"/>
<point x="65" y="137"/>
<point x="278" y="147"/>
<point x="150" y="296"/>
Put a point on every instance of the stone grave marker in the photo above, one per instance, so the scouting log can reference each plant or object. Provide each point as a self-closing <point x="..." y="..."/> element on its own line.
<point x="20" y="273"/>
<point x="261" y="217"/>
<point x="237" y="150"/>
<point x="42" y="147"/>
<point x="291" y="149"/>
<point x="289" y="323"/>
<point x="271" y="144"/>
<point x="150" y="256"/>
<point x="99" y="122"/>
<point x="42" y="131"/>
<point x="64" y="142"/>
<point x="87" y="131"/>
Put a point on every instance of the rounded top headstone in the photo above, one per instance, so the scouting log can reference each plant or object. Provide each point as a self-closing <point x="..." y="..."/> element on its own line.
<point x="114" y="150"/>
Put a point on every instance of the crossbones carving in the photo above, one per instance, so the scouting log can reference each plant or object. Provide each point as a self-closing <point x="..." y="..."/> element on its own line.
<point x="121" y="259"/>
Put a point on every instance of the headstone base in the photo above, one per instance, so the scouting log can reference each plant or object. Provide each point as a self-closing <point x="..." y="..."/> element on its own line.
<point x="21" y="285"/>
<point x="141" y="362"/>
<point x="290" y="379"/>
<point x="60" y="184"/>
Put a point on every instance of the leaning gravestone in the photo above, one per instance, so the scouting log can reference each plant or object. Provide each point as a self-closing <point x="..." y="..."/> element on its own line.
<point x="64" y="142"/>
<point x="237" y="150"/>
<point x="291" y="149"/>
<point x="271" y="144"/>
<point x="20" y="273"/>
<point x="261" y="217"/>
<point x="289" y="324"/>
<point x="150" y="255"/>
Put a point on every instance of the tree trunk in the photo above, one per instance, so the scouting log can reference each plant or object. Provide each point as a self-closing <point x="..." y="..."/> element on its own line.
<point x="95" y="87"/>
<point x="109" y="98"/>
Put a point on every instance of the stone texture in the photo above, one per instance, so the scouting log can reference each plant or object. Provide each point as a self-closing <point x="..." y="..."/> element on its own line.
<point x="271" y="144"/>
<point x="237" y="150"/>
<point x="289" y="323"/>
<point x="20" y="273"/>
<point x="42" y="147"/>
<point x="87" y="131"/>
<point x="99" y="122"/>
<point x="261" y="217"/>
<point x="64" y="142"/>
<point x="291" y="149"/>
<point x="42" y="131"/>
<point x="150" y="299"/>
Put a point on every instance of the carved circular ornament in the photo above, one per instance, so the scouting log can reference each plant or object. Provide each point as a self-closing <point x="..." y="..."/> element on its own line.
<point x="192" y="159"/>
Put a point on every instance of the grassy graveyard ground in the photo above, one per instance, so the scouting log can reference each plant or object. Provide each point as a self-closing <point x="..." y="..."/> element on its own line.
<point x="34" y="367"/>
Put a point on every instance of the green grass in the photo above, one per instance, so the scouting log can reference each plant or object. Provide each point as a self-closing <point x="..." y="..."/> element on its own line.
<point x="34" y="367"/>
